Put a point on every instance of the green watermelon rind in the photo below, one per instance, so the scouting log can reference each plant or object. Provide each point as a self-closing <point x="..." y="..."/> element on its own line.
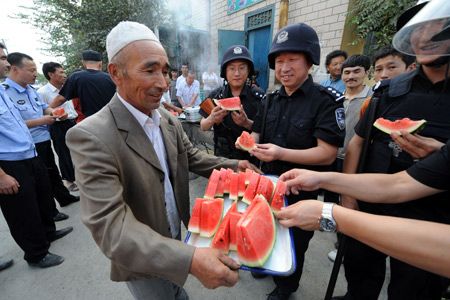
<point x="218" y="103"/>
<point x="418" y="126"/>
<point x="262" y="261"/>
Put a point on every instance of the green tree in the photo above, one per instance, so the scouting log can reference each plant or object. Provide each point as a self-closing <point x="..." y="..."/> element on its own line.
<point x="375" y="21"/>
<point x="71" y="26"/>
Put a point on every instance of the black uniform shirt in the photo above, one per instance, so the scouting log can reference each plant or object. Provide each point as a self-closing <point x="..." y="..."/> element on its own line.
<point x="296" y="122"/>
<point x="226" y="133"/>
<point x="435" y="170"/>
<point x="94" y="88"/>
<point x="409" y="95"/>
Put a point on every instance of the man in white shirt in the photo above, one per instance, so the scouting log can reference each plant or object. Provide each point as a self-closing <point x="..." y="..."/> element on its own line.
<point x="188" y="91"/>
<point x="184" y="74"/>
<point x="56" y="77"/>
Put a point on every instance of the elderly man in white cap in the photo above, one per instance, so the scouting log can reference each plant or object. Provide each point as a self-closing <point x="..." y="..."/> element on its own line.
<point x="132" y="160"/>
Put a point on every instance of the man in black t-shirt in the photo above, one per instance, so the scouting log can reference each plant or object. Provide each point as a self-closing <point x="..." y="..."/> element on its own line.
<point x="94" y="87"/>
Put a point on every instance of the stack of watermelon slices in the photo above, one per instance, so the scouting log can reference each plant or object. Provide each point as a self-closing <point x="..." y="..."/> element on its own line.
<point x="252" y="233"/>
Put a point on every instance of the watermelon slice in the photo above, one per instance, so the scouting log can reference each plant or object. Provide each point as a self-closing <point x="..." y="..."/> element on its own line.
<point x="278" y="196"/>
<point x="212" y="185"/>
<point x="246" y="141"/>
<point x="235" y="217"/>
<point x="194" y="222"/>
<point x="233" y="103"/>
<point x="256" y="233"/>
<point x="226" y="184"/>
<point x="265" y="188"/>
<point x="58" y="112"/>
<point x="234" y="186"/>
<point x="241" y="188"/>
<point x="221" y="183"/>
<point x="250" y="192"/>
<point x="221" y="239"/>
<point x="403" y="124"/>
<point x="248" y="175"/>
<point x="210" y="216"/>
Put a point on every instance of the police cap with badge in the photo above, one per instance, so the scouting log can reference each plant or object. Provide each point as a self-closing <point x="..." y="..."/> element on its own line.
<point x="233" y="53"/>
<point x="296" y="38"/>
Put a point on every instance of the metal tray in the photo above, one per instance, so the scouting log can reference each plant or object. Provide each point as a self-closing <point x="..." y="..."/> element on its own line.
<point x="282" y="262"/>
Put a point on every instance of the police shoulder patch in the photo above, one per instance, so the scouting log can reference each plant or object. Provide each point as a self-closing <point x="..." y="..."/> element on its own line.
<point x="5" y="86"/>
<point x="337" y="96"/>
<point x="340" y="118"/>
<point x="381" y="84"/>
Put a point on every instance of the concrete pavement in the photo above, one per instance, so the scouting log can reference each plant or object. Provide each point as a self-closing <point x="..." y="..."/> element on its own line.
<point x="85" y="272"/>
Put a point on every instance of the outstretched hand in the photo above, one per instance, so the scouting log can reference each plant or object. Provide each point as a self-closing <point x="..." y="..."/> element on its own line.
<point x="304" y="214"/>
<point x="267" y="152"/>
<point x="300" y="179"/>
<point x="213" y="268"/>
<point x="245" y="164"/>
<point x="416" y="145"/>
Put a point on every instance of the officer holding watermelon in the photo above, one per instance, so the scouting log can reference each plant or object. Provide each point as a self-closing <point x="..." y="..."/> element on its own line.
<point x="420" y="94"/>
<point x="300" y="125"/>
<point x="237" y="66"/>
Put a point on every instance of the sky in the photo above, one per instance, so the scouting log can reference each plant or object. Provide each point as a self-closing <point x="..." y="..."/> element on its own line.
<point x="20" y="37"/>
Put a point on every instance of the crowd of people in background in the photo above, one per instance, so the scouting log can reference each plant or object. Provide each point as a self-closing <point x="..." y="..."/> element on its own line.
<point x="306" y="133"/>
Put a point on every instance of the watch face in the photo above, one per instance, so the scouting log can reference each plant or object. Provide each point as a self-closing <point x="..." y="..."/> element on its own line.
<point x="327" y="224"/>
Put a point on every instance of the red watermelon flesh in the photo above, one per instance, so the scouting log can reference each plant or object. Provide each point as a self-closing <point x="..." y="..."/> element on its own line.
<point x="221" y="183"/>
<point x="241" y="188"/>
<point x="226" y="184"/>
<point x="212" y="184"/>
<point x="233" y="103"/>
<point x="58" y="112"/>
<point x="256" y="233"/>
<point x="278" y="196"/>
<point x="234" y="186"/>
<point x="194" y="222"/>
<point x="250" y="192"/>
<point x="221" y="239"/>
<point x="210" y="216"/>
<point x="403" y="124"/>
<point x="265" y="188"/>
<point x="248" y="175"/>
<point x="235" y="216"/>
<point x="246" y="141"/>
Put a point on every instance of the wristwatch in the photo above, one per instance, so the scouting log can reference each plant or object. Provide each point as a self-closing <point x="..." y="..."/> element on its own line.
<point x="326" y="221"/>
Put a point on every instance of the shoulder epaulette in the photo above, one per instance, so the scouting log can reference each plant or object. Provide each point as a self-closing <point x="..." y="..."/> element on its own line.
<point x="337" y="96"/>
<point x="257" y="92"/>
<point x="5" y="86"/>
<point x="381" y="84"/>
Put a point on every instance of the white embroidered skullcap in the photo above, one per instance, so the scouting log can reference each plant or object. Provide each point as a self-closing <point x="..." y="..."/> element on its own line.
<point x="125" y="33"/>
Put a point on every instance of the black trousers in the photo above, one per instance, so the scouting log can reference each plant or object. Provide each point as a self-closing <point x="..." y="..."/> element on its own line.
<point x="58" y="133"/>
<point x="58" y="190"/>
<point x="29" y="212"/>
<point x="301" y="242"/>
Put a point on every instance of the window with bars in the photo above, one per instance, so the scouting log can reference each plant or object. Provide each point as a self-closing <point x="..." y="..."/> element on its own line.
<point x="259" y="19"/>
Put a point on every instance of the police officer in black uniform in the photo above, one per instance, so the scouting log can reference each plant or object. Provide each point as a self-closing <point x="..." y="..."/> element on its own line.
<point x="237" y="65"/>
<point x="420" y="94"/>
<point x="302" y="126"/>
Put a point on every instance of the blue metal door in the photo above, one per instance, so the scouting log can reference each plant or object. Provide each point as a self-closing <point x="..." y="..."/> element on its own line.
<point x="228" y="38"/>
<point x="259" y="41"/>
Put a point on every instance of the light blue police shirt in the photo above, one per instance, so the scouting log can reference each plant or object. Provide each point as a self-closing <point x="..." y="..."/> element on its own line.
<point x="30" y="106"/>
<point x="15" y="138"/>
<point x="336" y="84"/>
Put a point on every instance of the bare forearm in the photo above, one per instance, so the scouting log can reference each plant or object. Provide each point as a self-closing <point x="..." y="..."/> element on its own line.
<point x="193" y="100"/>
<point x="423" y="244"/>
<point x="312" y="156"/>
<point x="59" y="100"/>
<point x="352" y="155"/>
<point x="206" y="123"/>
<point x="377" y="188"/>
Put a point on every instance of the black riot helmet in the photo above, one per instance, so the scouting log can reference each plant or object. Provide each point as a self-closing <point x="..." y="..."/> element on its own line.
<point x="233" y="53"/>
<point x="296" y="38"/>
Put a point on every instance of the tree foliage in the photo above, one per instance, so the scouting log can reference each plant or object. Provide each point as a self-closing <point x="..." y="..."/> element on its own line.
<point x="71" y="26"/>
<point x="375" y="21"/>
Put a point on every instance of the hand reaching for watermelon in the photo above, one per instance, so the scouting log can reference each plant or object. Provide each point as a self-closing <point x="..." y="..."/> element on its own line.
<point x="303" y="214"/>
<point x="245" y="164"/>
<point x="301" y="180"/>
<point x="213" y="268"/>
<point x="416" y="145"/>
<point x="267" y="152"/>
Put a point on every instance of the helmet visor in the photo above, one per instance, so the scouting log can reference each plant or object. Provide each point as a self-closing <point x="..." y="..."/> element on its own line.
<point x="428" y="32"/>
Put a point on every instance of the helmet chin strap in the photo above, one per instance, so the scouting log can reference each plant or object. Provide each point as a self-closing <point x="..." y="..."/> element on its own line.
<point x="439" y="62"/>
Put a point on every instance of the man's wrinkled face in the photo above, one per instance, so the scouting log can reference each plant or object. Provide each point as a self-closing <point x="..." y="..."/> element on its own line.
<point x="334" y="68"/>
<point x="353" y="77"/>
<point x="4" y="64"/>
<point x="145" y="75"/>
